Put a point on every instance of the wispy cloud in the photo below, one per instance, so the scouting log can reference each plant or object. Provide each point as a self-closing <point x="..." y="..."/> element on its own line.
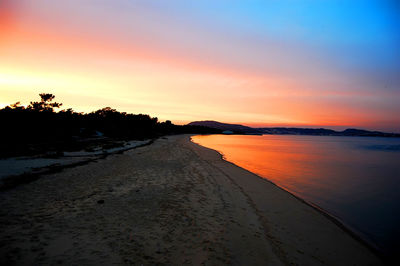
<point x="309" y="62"/>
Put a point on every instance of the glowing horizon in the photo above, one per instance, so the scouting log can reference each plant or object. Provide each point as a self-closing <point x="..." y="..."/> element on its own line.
<point x="259" y="63"/>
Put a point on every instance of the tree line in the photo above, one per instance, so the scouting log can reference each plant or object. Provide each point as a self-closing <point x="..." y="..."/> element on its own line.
<point x="39" y="125"/>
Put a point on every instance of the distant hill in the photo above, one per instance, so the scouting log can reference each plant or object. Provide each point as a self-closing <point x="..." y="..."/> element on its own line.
<point x="240" y="129"/>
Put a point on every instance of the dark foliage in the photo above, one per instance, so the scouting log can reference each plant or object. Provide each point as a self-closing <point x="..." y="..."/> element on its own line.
<point x="38" y="127"/>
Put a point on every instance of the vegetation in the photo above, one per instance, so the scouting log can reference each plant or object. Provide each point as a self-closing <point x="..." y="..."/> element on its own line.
<point x="38" y="127"/>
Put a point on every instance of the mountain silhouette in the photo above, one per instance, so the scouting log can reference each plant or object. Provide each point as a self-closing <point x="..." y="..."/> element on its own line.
<point x="240" y="129"/>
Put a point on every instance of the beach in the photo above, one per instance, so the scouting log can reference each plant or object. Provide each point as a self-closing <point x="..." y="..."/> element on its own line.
<point x="172" y="202"/>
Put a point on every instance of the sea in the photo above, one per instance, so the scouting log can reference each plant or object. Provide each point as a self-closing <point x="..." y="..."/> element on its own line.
<point x="356" y="180"/>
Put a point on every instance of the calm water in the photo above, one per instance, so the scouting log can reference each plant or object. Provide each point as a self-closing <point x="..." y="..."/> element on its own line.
<point x="355" y="179"/>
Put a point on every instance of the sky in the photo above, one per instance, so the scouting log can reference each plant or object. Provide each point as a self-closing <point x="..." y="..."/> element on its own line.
<point x="334" y="64"/>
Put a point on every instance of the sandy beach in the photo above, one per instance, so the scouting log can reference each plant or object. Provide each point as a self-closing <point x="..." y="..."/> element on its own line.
<point x="172" y="202"/>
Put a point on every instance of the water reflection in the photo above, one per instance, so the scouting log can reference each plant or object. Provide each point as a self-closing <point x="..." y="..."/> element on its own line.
<point x="354" y="178"/>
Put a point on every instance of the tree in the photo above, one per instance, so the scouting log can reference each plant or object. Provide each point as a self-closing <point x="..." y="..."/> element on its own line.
<point x="17" y="106"/>
<point x="45" y="105"/>
<point x="106" y="111"/>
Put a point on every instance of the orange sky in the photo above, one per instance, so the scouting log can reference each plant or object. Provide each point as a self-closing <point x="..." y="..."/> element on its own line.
<point x="154" y="64"/>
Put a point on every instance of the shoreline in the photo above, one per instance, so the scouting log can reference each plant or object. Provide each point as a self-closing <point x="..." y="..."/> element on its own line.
<point x="28" y="173"/>
<point x="171" y="202"/>
<point x="332" y="218"/>
<point x="348" y="229"/>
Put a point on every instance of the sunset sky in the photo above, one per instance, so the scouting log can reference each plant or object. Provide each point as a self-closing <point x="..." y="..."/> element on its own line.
<point x="260" y="63"/>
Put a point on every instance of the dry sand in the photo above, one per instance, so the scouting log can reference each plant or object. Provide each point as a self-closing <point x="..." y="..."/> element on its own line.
<point x="172" y="202"/>
<point x="10" y="167"/>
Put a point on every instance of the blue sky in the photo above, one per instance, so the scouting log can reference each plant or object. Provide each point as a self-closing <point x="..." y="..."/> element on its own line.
<point x="328" y="63"/>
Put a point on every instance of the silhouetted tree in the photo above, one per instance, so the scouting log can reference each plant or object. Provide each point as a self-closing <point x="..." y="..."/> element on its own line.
<point x="38" y="128"/>
<point x="45" y="105"/>
<point x="17" y="106"/>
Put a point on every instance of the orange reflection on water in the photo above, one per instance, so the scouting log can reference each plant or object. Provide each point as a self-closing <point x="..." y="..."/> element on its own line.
<point x="353" y="178"/>
<point x="285" y="160"/>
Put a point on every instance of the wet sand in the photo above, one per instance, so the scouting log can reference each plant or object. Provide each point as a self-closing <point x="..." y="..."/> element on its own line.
<point x="172" y="202"/>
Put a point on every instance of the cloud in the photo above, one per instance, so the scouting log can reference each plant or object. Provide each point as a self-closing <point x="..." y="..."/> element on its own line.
<point x="276" y="60"/>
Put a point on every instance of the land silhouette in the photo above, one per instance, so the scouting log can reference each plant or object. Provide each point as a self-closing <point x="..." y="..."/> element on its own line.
<point x="39" y="127"/>
<point x="240" y="129"/>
